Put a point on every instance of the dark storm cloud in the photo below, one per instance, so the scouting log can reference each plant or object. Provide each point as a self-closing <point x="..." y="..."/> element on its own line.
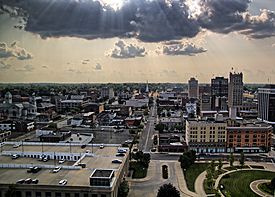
<point x="146" y="20"/>
<point x="225" y="16"/>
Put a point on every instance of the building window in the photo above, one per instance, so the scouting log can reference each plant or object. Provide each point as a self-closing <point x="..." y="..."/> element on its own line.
<point x="48" y="194"/>
<point x="38" y="194"/>
<point x="85" y="195"/>
<point x="67" y="195"/>
<point x="57" y="194"/>
<point x="94" y="195"/>
<point x="28" y="194"/>
<point x="76" y="195"/>
<point x="103" y="195"/>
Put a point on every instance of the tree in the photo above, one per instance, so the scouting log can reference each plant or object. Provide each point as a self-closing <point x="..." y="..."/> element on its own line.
<point x="272" y="184"/>
<point x="242" y="159"/>
<point x="220" y="164"/>
<point x="231" y="159"/>
<point x="123" y="189"/>
<point x="159" y="127"/>
<point x="187" y="159"/>
<point x="168" y="190"/>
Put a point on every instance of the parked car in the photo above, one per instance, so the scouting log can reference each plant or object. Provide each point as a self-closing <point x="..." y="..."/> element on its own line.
<point x="35" y="181"/>
<point x="153" y="150"/>
<point x="56" y="169"/>
<point x="61" y="161"/>
<point x="101" y="146"/>
<point x="28" y="181"/>
<point x="45" y="159"/>
<point x="120" y="154"/>
<point x="16" y="145"/>
<point x="63" y="182"/>
<point x="20" y="181"/>
<point x="36" y="169"/>
<point x="117" y="161"/>
<point x="122" y="150"/>
<point x="15" y="156"/>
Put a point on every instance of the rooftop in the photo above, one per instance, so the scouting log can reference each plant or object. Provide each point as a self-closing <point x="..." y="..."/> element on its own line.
<point x="92" y="156"/>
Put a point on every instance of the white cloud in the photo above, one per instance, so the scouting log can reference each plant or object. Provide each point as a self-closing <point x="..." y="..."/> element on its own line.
<point x="26" y="68"/>
<point x="176" y="48"/>
<point x="4" y="66"/>
<point x="14" y="51"/>
<point x="123" y="50"/>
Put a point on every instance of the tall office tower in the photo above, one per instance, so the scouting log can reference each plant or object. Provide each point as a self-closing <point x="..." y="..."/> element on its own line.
<point x="193" y="88"/>
<point x="266" y="104"/>
<point x="235" y="90"/>
<point x="219" y="92"/>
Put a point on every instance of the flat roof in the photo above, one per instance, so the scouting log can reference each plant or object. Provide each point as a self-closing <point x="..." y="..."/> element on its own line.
<point x="102" y="159"/>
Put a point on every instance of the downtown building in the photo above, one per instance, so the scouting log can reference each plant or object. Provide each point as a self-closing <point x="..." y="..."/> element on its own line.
<point x="206" y="136"/>
<point x="219" y="93"/>
<point x="249" y="137"/>
<point x="193" y="88"/>
<point x="266" y="104"/>
<point x="88" y="172"/>
<point x="235" y="90"/>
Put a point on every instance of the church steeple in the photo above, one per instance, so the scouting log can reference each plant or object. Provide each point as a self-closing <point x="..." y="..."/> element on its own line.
<point x="8" y="98"/>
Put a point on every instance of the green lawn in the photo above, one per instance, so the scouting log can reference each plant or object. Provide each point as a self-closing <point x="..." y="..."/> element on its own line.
<point x="265" y="188"/>
<point x="192" y="173"/>
<point x="238" y="182"/>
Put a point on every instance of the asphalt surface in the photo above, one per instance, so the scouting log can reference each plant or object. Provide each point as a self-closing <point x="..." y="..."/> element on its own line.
<point x="146" y="139"/>
<point x="150" y="185"/>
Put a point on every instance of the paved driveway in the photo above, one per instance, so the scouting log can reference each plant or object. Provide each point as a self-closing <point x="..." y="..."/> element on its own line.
<point x="148" y="187"/>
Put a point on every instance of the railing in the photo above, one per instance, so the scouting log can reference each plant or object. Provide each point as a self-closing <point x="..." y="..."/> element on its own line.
<point x="26" y="166"/>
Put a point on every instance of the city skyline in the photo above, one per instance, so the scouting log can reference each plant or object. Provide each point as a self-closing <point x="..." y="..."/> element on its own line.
<point x="39" y="45"/>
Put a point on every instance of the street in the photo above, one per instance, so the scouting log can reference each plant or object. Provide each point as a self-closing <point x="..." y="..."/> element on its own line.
<point x="146" y="138"/>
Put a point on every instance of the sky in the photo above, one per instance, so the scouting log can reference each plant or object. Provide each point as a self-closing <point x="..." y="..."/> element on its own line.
<point x="113" y="41"/>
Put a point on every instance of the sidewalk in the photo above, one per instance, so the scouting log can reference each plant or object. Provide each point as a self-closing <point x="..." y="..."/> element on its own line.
<point x="199" y="184"/>
<point x="254" y="187"/>
<point x="182" y="183"/>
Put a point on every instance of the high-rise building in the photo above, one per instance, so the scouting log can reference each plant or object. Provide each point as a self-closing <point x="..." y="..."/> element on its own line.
<point x="235" y="90"/>
<point x="266" y="104"/>
<point x="219" y="92"/>
<point x="193" y="88"/>
<point x="107" y="92"/>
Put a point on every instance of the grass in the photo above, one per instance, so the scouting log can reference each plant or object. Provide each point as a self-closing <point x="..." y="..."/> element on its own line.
<point x="237" y="184"/>
<point x="206" y="188"/>
<point x="265" y="188"/>
<point x="139" y="171"/>
<point x="192" y="173"/>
